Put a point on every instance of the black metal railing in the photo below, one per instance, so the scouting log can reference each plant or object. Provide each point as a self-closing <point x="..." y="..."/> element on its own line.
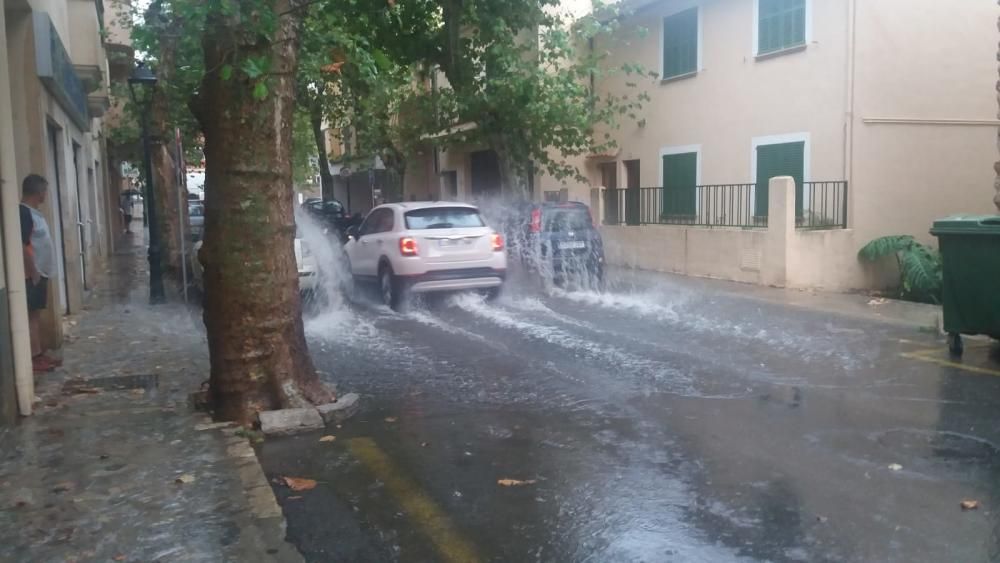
<point x="822" y="205"/>
<point x="721" y="205"/>
<point x="819" y="205"/>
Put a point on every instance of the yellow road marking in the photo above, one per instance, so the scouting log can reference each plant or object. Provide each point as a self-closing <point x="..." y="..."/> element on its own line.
<point x="419" y="507"/>
<point x="929" y="355"/>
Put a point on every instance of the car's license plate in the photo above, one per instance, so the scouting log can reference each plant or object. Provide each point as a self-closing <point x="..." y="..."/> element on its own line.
<point x="572" y="245"/>
<point x="453" y="242"/>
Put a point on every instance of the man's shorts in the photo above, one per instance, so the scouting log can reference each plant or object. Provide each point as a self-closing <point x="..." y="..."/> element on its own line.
<point x="38" y="294"/>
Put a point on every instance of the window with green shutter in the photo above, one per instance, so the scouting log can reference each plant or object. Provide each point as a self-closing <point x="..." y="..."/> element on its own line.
<point x="680" y="179"/>
<point x="781" y="24"/>
<point x="784" y="159"/>
<point x="680" y="43"/>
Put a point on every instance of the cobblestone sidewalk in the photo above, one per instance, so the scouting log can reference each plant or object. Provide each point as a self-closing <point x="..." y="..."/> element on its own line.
<point x="115" y="465"/>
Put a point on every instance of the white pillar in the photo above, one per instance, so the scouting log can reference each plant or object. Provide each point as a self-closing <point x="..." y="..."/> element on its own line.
<point x="780" y="230"/>
<point x="10" y="191"/>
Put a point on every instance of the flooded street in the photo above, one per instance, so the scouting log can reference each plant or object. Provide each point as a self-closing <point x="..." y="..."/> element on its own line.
<point x="666" y="419"/>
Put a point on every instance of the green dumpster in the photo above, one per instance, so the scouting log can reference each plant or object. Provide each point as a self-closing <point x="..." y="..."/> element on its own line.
<point x="970" y="249"/>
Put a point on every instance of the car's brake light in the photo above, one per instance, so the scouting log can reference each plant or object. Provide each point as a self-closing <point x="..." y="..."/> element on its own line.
<point x="536" y="220"/>
<point x="408" y="246"/>
<point x="497" y="242"/>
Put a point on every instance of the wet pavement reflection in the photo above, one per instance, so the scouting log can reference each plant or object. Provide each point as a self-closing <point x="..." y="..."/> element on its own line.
<point x="662" y="420"/>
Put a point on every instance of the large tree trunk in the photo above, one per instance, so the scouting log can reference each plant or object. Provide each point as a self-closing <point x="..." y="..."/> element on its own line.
<point x="325" y="176"/>
<point x="259" y="357"/>
<point x="171" y="217"/>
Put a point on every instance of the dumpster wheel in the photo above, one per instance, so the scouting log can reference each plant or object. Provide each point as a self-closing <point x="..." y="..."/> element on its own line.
<point x="955" y="346"/>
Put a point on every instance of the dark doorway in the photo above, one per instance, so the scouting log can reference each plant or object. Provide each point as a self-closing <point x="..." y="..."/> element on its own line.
<point x="631" y="174"/>
<point x="485" y="174"/>
<point x="449" y="185"/>
<point x="612" y="201"/>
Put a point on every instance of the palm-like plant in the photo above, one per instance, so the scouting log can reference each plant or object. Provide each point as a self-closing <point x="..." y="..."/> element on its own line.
<point x="919" y="266"/>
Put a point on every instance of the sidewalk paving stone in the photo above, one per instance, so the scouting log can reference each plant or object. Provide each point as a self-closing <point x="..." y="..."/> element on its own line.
<point x="122" y="469"/>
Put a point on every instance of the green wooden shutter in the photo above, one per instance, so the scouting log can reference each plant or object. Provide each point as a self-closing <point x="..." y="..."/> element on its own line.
<point x="781" y="24"/>
<point x="680" y="178"/>
<point x="680" y="43"/>
<point x="785" y="159"/>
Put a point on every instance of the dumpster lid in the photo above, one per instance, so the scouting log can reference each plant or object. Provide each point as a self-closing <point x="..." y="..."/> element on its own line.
<point x="967" y="224"/>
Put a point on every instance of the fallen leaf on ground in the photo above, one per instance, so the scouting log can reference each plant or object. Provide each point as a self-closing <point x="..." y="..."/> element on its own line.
<point x="299" y="484"/>
<point x="62" y="487"/>
<point x="515" y="482"/>
<point x="327" y="438"/>
<point x="119" y="558"/>
<point x="184" y="479"/>
<point x="969" y="504"/>
<point x="895" y="467"/>
<point x="391" y="419"/>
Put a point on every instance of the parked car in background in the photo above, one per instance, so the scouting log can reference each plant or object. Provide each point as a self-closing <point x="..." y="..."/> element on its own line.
<point x="559" y="241"/>
<point x="196" y="218"/>
<point x="423" y="247"/>
<point x="331" y="214"/>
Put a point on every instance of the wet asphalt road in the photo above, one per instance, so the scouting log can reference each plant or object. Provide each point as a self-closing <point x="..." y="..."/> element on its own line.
<point x="662" y="420"/>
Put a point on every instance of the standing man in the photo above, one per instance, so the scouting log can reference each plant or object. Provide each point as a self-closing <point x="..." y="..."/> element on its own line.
<point x="39" y="263"/>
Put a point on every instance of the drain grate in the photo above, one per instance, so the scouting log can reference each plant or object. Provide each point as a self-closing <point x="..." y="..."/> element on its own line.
<point x="145" y="381"/>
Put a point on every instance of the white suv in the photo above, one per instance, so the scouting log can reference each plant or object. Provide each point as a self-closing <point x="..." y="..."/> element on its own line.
<point x="423" y="247"/>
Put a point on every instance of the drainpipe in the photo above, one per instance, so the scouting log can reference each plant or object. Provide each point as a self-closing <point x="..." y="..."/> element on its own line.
<point x="850" y="72"/>
<point x="10" y="188"/>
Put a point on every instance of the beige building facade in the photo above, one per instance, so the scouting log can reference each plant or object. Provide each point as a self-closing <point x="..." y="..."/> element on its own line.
<point x="54" y="91"/>
<point x="893" y="99"/>
<point x="884" y="114"/>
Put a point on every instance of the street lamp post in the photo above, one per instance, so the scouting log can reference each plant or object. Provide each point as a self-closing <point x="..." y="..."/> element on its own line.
<point x="143" y="79"/>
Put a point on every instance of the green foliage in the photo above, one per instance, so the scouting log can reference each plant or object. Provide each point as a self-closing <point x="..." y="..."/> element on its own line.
<point x="919" y="265"/>
<point x="304" y="167"/>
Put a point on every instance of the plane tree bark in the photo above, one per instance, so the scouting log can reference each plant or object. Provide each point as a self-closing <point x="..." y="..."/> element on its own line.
<point x="259" y="356"/>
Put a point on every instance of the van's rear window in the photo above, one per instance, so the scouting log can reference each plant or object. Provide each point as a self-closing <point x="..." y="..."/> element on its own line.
<point x="443" y="218"/>
<point x="560" y="219"/>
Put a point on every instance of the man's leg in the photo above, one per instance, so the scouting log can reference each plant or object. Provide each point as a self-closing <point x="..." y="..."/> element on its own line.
<point x="35" y="332"/>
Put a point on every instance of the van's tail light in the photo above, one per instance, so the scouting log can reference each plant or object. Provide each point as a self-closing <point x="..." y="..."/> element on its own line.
<point x="497" y="242"/>
<point x="536" y="220"/>
<point x="408" y="246"/>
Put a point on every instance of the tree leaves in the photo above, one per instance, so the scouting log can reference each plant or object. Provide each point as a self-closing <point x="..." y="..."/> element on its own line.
<point x="920" y="266"/>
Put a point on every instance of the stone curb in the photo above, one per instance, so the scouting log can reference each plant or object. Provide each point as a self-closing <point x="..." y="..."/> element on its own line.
<point x="269" y="520"/>
<point x="285" y="422"/>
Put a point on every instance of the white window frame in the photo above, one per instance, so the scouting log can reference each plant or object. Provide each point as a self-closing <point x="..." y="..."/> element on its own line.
<point x="683" y="149"/>
<point x="756" y="31"/>
<point x="780" y="140"/>
<point x="698" y="65"/>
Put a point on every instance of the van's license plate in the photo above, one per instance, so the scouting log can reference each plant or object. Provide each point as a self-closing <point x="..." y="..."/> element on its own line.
<point x="571" y="245"/>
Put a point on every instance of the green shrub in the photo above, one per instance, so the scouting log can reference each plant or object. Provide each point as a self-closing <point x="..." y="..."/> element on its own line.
<point x="919" y="266"/>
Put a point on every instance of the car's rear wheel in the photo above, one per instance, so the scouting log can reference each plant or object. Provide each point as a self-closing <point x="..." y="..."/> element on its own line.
<point x="391" y="288"/>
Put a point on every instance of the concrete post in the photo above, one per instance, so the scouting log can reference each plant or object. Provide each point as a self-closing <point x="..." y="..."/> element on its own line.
<point x="780" y="230"/>
<point x="10" y="193"/>
<point x="597" y="204"/>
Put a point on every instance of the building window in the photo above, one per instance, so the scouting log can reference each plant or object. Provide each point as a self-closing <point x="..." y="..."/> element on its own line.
<point x="680" y="44"/>
<point x="680" y="181"/>
<point x="780" y="159"/>
<point x="781" y="24"/>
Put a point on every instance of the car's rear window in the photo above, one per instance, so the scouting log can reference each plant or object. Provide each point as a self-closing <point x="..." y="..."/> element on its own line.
<point x="560" y="219"/>
<point x="443" y="218"/>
